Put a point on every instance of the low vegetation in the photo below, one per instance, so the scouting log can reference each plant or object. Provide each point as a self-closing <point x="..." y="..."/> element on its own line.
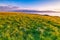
<point x="22" y="26"/>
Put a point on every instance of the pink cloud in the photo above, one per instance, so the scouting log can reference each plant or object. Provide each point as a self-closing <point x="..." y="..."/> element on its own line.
<point x="7" y="8"/>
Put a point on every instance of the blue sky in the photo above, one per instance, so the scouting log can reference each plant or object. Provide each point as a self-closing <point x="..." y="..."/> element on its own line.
<point x="33" y="4"/>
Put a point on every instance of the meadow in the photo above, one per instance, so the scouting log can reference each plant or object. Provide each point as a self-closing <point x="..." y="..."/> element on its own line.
<point x="22" y="26"/>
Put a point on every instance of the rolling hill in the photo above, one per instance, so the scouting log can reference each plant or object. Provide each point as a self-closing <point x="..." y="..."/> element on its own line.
<point x="22" y="26"/>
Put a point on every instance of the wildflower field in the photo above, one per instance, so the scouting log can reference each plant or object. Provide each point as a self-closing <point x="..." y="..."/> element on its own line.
<point x="22" y="26"/>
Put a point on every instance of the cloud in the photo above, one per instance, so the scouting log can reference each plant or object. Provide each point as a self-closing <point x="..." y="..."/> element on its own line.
<point x="8" y="8"/>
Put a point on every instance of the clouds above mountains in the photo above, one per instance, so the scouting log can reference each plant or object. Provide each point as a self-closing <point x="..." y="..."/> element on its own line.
<point x="8" y="8"/>
<point x="5" y="8"/>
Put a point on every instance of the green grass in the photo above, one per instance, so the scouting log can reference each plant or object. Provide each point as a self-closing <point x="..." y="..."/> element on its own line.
<point x="20" y="26"/>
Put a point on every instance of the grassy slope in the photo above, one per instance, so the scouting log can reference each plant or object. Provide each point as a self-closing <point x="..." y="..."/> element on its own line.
<point x="20" y="26"/>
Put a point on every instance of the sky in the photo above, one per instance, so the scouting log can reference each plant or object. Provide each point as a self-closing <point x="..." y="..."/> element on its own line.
<point x="31" y="4"/>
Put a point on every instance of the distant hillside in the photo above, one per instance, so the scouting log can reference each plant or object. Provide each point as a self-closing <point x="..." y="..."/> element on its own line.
<point x="34" y="11"/>
<point x="22" y="26"/>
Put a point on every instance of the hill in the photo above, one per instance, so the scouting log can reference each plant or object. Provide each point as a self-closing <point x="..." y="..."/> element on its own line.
<point x="23" y="26"/>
